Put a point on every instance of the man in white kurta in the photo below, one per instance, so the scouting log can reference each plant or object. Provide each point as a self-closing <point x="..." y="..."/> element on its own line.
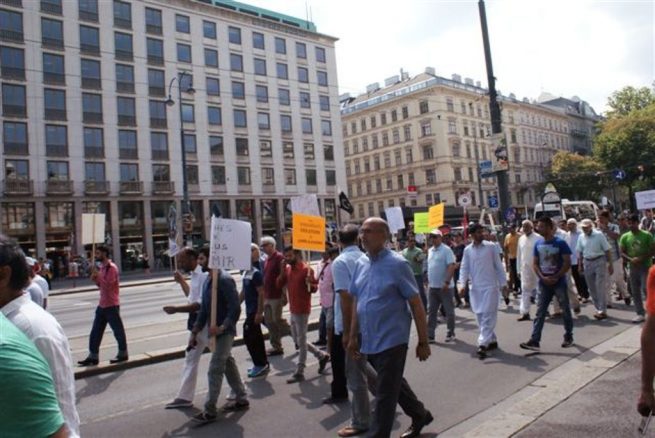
<point x="483" y="268"/>
<point x="524" y="257"/>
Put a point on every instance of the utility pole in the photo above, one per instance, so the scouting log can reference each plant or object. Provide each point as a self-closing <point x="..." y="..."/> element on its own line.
<point x="477" y="163"/>
<point x="501" y="151"/>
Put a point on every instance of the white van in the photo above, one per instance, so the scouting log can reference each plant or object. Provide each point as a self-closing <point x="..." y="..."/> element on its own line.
<point x="568" y="209"/>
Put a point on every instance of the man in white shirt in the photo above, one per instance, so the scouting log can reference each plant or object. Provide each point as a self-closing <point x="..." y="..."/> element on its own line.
<point x="524" y="258"/>
<point x="482" y="266"/>
<point x="39" y="280"/>
<point x="33" y="289"/>
<point x="190" y="260"/>
<point x="39" y="326"/>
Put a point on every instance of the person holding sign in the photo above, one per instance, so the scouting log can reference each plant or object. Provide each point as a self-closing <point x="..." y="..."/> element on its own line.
<point x="108" y="310"/>
<point x="299" y="280"/>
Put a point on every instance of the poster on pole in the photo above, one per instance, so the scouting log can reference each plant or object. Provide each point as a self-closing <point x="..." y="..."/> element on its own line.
<point x="421" y="224"/>
<point x="229" y="244"/>
<point x="436" y="215"/>
<point x="395" y="219"/>
<point x="93" y="228"/>
<point x="308" y="232"/>
<point x="645" y="199"/>
<point x="305" y="204"/>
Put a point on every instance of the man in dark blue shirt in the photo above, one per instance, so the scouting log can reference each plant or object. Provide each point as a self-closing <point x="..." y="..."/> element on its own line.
<point x="552" y="260"/>
<point x="253" y="294"/>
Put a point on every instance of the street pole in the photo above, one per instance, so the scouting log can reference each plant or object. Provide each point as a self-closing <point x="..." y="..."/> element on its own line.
<point x="477" y="162"/>
<point x="494" y="111"/>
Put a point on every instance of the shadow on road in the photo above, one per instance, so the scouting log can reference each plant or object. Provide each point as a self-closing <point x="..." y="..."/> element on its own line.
<point x="97" y="385"/>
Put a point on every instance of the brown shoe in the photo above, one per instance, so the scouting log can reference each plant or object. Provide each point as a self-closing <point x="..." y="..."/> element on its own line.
<point x="351" y="431"/>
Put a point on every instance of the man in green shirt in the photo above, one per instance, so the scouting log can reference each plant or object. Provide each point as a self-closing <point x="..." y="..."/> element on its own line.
<point x="28" y="404"/>
<point x="415" y="257"/>
<point x="637" y="248"/>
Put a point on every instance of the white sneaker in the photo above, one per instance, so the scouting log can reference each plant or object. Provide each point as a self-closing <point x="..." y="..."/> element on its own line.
<point x="232" y="396"/>
<point x="639" y="318"/>
<point x="450" y="337"/>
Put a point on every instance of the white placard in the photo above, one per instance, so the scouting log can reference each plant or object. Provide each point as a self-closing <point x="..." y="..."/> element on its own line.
<point x="395" y="218"/>
<point x="645" y="199"/>
<point x="305" y="204"/>
<point x="229" y="246"/>
<point x="93" y="228"/>
<point x="173" y="248"/>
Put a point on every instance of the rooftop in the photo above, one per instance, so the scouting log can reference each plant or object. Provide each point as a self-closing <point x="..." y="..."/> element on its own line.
<point x="263" y="13"/>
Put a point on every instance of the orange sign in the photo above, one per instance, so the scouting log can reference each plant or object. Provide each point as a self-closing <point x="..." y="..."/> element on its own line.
<point x="436" y="215"/>
<point x="308" y="232"/>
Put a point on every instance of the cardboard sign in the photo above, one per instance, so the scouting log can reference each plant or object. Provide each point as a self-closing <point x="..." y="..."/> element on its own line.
<point x="421" y="224"/>
<point x="173" y="248"/>
<point x="395" y="219"/>
<point x="308" y="232"/>
<point x="645" y="199"/>
<point x="305" y="204"/>
<point x="93" y="228"/>
<point x="229" y="244"/>
<point x="436" y="215"/>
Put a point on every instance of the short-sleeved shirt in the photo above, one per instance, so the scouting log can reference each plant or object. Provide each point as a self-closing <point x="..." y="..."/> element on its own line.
<point x="638" y="244"/>
<point x="593" y="245"/>
<point x="415" y="259"/>
<point x="550" y="255"/>
<point x="28" y="403"/>
<point x="342" y="271"/>
<point x="382" y="286"/>
<point x="512" y="244"/>
<point x="439" y="259"/>
<point x="298" y="277"/>
<point x="252" y="280"/>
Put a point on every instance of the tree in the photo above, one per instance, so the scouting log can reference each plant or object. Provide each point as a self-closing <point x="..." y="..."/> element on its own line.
<point x="629" y="99"/>
<point x="575" y="176"/>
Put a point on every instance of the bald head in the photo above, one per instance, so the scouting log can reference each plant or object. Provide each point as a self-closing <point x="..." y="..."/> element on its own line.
<point x="374" y="233"/>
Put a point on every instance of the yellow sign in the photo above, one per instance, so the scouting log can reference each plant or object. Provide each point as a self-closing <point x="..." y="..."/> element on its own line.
<point x="421" y="223"/>
<point x="436" y="216"/>
<point x="308" y="232"/>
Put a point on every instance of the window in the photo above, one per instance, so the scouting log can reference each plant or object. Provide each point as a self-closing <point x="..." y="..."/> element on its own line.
<point x="14" y="137"/>
<point x="182" y="23"/>
<point x="405" y="112"/>
<point x="260" y="67"/>
<point x="305" y="100"/>
<point x="156" y="82"/>
<point x="126" y="111"/>
<point x="326" y="128"/>
<point x="285" y="123"/>
<point x="53" y="69"/>
<point x="183" y="53"/>
<point x="409" y="157"/>
<point x="322" y="78"/>
<point x="287" y="150"/>
<point x="52" y="33"/>
<point x="91" y="74"/>
<point x="470" y="170"/>
<point x="218" y="175"/>
<point x="123" y="46"/>
<point x="268" y="176"/>
<point x="17" y="169"/>
<point x="401" y="181"/>
<point x="303" y="75"/>
<point x="387" y="159"/>
<point x="258" y="40"/>
<point x="328" y="152"/>
<point x="56" y="141"/>
<point x="301" y="50"/>
<point x="238" y="90"/>
<point x="122" y="14"/>
<point x="458" y="173"/>
<point x="383" y="118"/>
<point x="93" y="143"/>
<point x="263" y="121"/>
<point x="397" y="157"/>
<point x="306" y="125"/>
<point x="234" y="35"/>
<point x="243" y="175"/>
<point x="57" y="170"/>
<point x="129" y="172"/>
<point x="216" y="145"/>
<point x="265" y="148"/>
<point x="456" y="150"/>
<point x="127" y="144"/>
<point x="330" y="177"/>
<point x="362" y="124"/>
<point x="262" y="93"/>
<point x="240" y="119"/>
<point x="430" y="176"/>
<point x="452" y="126"/>
<point x="12" y="25"/>
<point x="211" y="58"/>
<point x="385" y="139"/>
<point x="124" y="78"/>
<point x="88" y="10"/>
<point x="190" y="145"/>
<point x="284" y="97"/>
<point x="280" y="46"/>
<point x="89" y="40"/>
<point x="188" y="113"/>
<point x="12" y="63"/>
<point x="324" y="102"/>
<point x="214" y="115"/>
<point x="54" y="104"/>
<point x="94" y="171"/>
<point x="155" y="50"/>
<point x="374" y="141"/>
<point x="91" y="108"/>
<point x="426" y="128"/>
<point x="161" y="173"/>
<point x="308" y="149"/>
<point x="394" y="116"/>
<point x="396" y="136"/>
<point x="290" y="177"/>
<point x="310" y="177"/>
<point x="153" y="21"/>
<point x="423" y="107"/>
<point x="320" y="54"/>
<point x="449" y="104"/>
<point x="213" y="86"/>
<point x="236" y="62"/>
<point x="407" y="132"/>
<point x="209" y="29"/>
<point x="428" y="152"/>
<point x="192" y="174"/>
<point x="159" y="145"/>
<point x="282" y="70"/>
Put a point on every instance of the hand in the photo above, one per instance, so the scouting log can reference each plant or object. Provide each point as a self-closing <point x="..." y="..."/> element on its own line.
<point x="423" y="351"/>
<point x="170" y="309"/>
<point x="610" y="269"/>
<point x="445" y="288"/>
<point x="462" y="291"/>
<point x="353" y="348"/>
<point x="178" y="277"/>
<point x="259" y="318"/>
<point x="636" y="261"/>
<point x="215" y="331"/>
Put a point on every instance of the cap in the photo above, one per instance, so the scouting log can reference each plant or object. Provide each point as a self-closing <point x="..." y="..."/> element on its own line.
<point x="436" y="232"/>
<point x="572" y="221"/>
<point x="587" y="223"/>
<point x="31" y="261"/>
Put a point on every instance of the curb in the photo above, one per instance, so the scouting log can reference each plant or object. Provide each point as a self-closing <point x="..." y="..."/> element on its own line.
<point x="154" y="357"/>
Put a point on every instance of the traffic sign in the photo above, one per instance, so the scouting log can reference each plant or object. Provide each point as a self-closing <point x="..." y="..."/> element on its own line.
<point x="618" y="174"/>
<point x="493" y="201"/>
<point x="510" y="214"/>
<point x="464" y="199"/>
<point x="486" y="168"/>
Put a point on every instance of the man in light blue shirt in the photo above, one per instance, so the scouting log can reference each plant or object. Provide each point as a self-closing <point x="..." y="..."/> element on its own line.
<point x="595" y="261"/>
<point x="441" y="269"/>
<point x="382" y="286"/>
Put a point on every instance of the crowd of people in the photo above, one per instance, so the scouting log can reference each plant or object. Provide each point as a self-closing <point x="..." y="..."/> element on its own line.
<point x="370" y="290"/>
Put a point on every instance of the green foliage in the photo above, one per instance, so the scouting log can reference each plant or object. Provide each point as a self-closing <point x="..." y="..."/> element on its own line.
<point x="629" y="99"/>
<point x="576" y="176"/>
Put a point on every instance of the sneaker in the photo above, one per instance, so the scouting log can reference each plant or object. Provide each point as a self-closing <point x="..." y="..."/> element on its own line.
<point x="258" y="371"/>
<point x="600" y="315"/>
<point x="524" y="317"/>
<point x="638" y="319"/>
<point x="204" y="418"/>
<point x="237" y="405"/>
<point x="530" y="345"/>
<point x="567" y="343"/>
<point x="322" y="363"/>
<point x="450" y="337"/>
<point x="179" y="403"/>
<point x="296" y="378"/>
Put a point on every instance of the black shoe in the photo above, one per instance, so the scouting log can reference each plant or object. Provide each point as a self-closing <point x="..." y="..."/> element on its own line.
<point x="492" y="346"/>
<point x="567" y="343"/>
<point x="416" y="427"/>
<point x="627" y="301"/>
<point x="524" y="317"/>
<point x="237" y="405"/>
<point x="118" y="359"/>
<point x="322" y="363"/>
<point x="297" y="347"/>
<point x="88" y="362"/>
<point x="482" y="352"/>
<point x="530" y="345"/>
<point x="320" y="343"/>
<point x="507" y="301"/>
<point x="334" y="400"/>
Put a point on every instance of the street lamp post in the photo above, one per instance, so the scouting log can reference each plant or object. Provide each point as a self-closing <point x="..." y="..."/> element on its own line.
<point x="477" y="162"/>
<point x="186" y="205"/>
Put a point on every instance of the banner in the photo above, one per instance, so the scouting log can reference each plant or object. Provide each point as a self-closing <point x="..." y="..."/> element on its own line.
<point x="229" y="244"/>
<point x="395" y="219"/>
<point x="421" y="224"/>
<point x="308" y="232"/>
<point x="645" y="199"/>
<point x="93" y="228"/>
<point x="436" y="215"/>
<point x="305" y="204"/>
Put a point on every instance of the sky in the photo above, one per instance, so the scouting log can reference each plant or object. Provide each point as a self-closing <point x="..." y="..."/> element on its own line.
<point x="585" y="48"/>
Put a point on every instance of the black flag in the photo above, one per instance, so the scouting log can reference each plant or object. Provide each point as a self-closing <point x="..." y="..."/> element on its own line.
<point x="345" y="204"/>
<point x="216" y="211"/>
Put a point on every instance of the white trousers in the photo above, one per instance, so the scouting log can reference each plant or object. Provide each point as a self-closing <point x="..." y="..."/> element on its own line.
<point x="190" y="370"/>
<point x="528" y="291"/>
<point x="487" y="324"/>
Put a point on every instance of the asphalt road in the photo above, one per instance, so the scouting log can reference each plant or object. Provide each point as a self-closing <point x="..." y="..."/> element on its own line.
<point x="453" y="383"/>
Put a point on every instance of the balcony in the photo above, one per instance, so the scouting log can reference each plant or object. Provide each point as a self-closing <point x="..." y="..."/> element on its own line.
<point x="96" y="187"/>
<point x="89" y="117"/>
<point x="53" y="43"/>
<point x="124" y="55"/>
<point x="125" y="87"/>
<point x="59" y="187"/>
<point x="156" y="91"/>
<point x="50" y="8"/>
<point x="92" y="83"/>
<point x="12" y="148"/>
<point x="56" y="150"/>
<point x="153" y="29"/>
<point x="55" y="114"/>
<point x="13" y="73"/>
<point x="130" y="187"/>
<point x="163" y="187"/>
<point x="11" y="36"/>
<point x="90" y="49"/>
<point x="89" y="16"/>
<point x="158" y="123"/>
<point x="126" y="120"/>
<point x="54" y="78"/>
<point x="14" y="111"/>
<point x="94" y="152"/>
<point x="18" y="187"/>
<point x="159" y="154"/>
<point x="128" y="153"/>
<point x="122" y="23"/>
<point x="12" y="3"/>
<point x="152" y="59"/>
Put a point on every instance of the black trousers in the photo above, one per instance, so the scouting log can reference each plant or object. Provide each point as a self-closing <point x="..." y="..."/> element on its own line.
<point x="104" y="316"/>
<point x="254" y="340"/>
<point x="514" y="276"/>
<point x="580" y="282"/>
<point x="338" y="361"/>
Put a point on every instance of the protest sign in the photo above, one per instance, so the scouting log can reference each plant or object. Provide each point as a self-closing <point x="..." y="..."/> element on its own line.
<point x="229" y="246"/>
<point x="308" y="232"/>
<point x="436" y="215"/>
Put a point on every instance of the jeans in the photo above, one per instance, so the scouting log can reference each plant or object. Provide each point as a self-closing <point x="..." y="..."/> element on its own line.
<point x="222" y="363"/>
<point x="638" y="275"/>
<point x="392" y="389"/>
<point x="254" y="340"/>
<point x="104" y="316"/>
<point x="421" y="290"/>
<point x="190" y="371"/>
<point x="274" y="322"/>
<point x="546" y="294"/>
<point x="595" y="272"/>
<point x="338" y="387"/>
<point x="299" y="333"/>
<point x="440" y="298"/>
<point x="573" y="297"/>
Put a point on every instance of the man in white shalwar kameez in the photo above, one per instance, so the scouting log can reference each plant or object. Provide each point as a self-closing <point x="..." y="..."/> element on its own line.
<point x="483" y="268"/>
<point x="524" y="257"/>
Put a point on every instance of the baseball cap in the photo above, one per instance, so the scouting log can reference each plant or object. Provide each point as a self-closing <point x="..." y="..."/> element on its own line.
<point x="572" y="221"/>
<point x="436" y="232"/>
<point x="587" y="223"/>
